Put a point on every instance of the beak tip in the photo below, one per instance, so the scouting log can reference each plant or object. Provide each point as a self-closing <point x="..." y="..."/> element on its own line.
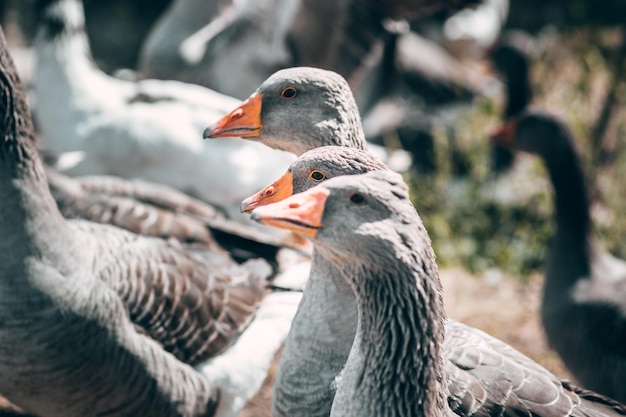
<point x="208" y="133"/>
<point x="245" y="206"/>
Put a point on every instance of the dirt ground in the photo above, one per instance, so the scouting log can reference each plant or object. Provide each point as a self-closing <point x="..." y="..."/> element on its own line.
<point x="502" y="306"/>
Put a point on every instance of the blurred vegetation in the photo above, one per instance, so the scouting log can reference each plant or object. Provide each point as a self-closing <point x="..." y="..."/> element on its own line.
<point x="482" y="222"/>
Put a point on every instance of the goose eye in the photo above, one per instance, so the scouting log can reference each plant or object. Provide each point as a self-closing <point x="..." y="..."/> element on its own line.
<point x="288" y="93"/>
<point x="357" y="198"/>
<point x="317" y="176"/>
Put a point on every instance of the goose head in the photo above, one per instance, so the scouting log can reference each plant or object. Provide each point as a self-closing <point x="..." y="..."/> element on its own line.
<point x="59" y="19"/>
<point x="312" y="168"/>
<point x="61" y="38"/>
<point x="535" y="132"/>
<point x="345" y="213"/>
<point x="295" y="110"/>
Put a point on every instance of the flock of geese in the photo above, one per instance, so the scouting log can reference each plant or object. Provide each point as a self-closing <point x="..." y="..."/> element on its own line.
<point x="152" y="297"/>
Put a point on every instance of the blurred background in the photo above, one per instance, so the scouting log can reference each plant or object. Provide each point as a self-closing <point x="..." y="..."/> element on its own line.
<point x="436" y="86"/>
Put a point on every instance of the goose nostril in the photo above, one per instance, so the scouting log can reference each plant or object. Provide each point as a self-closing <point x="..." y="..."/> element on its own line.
<point x="294" y="205"/>
<point x="236" y="114"/>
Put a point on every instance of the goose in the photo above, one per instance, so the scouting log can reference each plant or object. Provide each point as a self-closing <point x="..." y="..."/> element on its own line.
<point x="425" y="89"/>
<point x="151" y="209"/>
<point x="511" y="57"/>
<point x="160" y="54"/>
<point x="295" y="110"/>
<point x="584" y="298"/>
<point x="245" y="41"/>
<point x="96" y="320"/>
<point x="320" y="339"/>
<point x="232" y="51"/>
<point x="406" y="358"/>
<point x="145" y="130"/>
<point x="300" y="108"/>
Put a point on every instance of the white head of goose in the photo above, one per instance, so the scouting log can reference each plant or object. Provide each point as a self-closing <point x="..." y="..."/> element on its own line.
<point x="96" y="320"/>
<point x="484" y="375"/>
<point x="584" y="300"/>
<point x="295" y="110"/>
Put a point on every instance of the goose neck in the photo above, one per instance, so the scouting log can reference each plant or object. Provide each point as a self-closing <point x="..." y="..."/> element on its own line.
<point x="27" y="206"/>
<point x="318" y="343"/>
<point x="519" y="93"/>
<point x="570" y="251"/>
<point x="571" y="198"/>
<point x="397" y="352"/>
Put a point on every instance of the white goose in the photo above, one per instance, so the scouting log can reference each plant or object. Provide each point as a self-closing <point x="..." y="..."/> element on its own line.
<point x="96" y="320"/>
<point x="150" y="129"/>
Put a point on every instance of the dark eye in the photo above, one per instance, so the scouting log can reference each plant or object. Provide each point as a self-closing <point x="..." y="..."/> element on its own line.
<point x="317" y="176"/>
<point x="288" y="92"/>
<point x="357" y="198"/>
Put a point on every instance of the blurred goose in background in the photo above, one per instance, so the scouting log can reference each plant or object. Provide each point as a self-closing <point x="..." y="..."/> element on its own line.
<point x="469" y="32"/>
<point x="160" y="55"/>
<point x="248" y="40"/>
<point x="148" y="129"/>
<point x="584" y="299"/>
<point x="97" y="320"/>
<point x="418" y="88"/>
<point x="240" y="46"/>
<point x="373" y="256"/>
<point x="511" y="57"/>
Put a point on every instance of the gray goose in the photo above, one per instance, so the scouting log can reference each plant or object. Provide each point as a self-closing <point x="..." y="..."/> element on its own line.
<point x="295" y="110"/>
<point x="88" y="312"/>
<point x="584" y="299"/>
<point x="496" y="380"/>
<point x="406" y="359"/>
<point x="298" y="109"/>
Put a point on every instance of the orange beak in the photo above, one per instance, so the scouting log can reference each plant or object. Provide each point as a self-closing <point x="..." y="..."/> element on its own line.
<point x="504" y="134"/>
<point x="301" y="213"/>
<point x="277" y="191"/>
<point x="243" y="122"/>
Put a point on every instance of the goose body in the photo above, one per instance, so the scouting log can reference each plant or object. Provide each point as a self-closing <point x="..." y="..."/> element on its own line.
<point x="584" y="300"/>
<point x="405" y="358"/>
<point x="95" y="320"/>
<point x="148" y="129"/>
<point x="157" y="210"/>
